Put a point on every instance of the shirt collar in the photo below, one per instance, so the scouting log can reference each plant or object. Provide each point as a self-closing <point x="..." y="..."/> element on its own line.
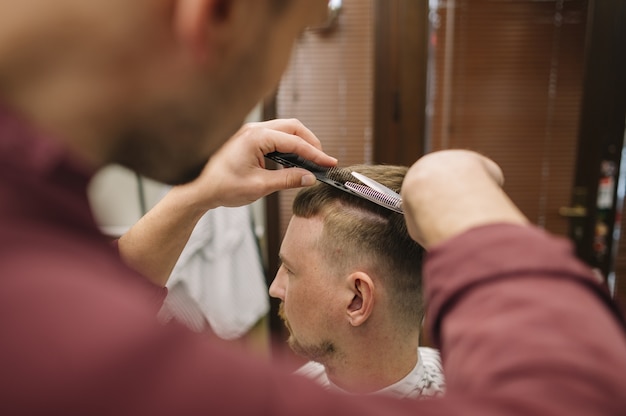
<point x="400" y="389"/>
<point x="408" y="384"/>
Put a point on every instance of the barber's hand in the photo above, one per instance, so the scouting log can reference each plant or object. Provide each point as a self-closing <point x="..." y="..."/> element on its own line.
<point x="448" y="192"/>
<point x="236" y="174"/>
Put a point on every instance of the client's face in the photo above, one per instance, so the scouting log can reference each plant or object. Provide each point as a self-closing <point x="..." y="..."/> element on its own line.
<point x="307" y="288"/>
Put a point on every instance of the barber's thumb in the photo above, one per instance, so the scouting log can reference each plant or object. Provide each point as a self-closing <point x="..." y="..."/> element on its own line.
<point x="295" y="178"/>
<point x="307" y="179"/>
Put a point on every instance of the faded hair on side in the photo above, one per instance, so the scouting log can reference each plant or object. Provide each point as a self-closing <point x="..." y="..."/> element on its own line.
<point x="358" y="232"/>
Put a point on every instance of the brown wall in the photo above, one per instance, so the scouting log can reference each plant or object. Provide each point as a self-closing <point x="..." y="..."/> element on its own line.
<point x="328" y="86"/>
<point x="508" y="83"/>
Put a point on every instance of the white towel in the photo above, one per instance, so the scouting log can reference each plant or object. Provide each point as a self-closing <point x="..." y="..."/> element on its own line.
<point x="220" y="269"/>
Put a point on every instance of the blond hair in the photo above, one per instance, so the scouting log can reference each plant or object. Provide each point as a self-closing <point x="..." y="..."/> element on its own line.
<point x="357" y="231"/>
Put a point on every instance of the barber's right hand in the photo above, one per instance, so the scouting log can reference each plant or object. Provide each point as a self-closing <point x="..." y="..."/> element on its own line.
<point x="236" y="174"/>
<point x="448" y="192"/>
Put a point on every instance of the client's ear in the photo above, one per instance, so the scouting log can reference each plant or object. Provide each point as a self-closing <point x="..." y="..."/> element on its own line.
<point x="362" y="304"/>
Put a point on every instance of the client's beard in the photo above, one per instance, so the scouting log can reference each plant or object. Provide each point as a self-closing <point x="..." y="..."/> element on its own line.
<point x="315" y="352"/>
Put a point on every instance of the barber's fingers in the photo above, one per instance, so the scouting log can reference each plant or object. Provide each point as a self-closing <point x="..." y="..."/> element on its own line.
<point x="493" y="169"/>
<point x="235" y="190"/>
<point x="455" y="163"/>
<point x="447" y="192"/>
<point x="286" y="178"/>
<point x="291" y="126"/>
<point x="287" y="136"/>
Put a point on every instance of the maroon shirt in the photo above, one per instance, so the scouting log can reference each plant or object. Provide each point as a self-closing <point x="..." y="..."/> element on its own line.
<point x="522" y="326"/>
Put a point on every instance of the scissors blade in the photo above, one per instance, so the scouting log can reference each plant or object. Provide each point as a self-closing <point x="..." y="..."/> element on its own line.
<point x="388" y="201"/>
<point x="375" y="185"/>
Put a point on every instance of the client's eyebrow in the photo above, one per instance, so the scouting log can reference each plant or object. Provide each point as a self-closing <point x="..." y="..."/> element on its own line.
<point x="281" y="261"/>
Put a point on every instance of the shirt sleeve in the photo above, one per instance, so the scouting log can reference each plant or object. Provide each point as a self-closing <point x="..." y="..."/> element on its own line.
<point x="519" y="319"/>
<point x="522" y="328"/>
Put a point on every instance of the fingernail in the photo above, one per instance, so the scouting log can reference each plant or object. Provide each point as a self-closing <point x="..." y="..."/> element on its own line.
<point x="307" y="180"/>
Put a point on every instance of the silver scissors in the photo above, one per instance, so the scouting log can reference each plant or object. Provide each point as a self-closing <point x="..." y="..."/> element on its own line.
<point x="376" y="192"/>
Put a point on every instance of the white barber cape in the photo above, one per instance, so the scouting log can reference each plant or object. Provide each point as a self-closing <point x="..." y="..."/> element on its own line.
<point x="219" y="277"/>
<point x="426" y="378"/>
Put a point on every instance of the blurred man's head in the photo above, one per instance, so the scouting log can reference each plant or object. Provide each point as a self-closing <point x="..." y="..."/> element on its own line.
<point x="348" y="266"/>
<point x="156" y="85"/>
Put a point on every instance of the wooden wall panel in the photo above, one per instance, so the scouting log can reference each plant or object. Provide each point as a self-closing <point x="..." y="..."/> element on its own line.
<point x="508" y="82"/>
<point x="328" y="86"/>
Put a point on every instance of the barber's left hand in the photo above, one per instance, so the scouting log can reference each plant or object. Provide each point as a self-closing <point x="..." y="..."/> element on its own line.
<point x="236" y="174"/>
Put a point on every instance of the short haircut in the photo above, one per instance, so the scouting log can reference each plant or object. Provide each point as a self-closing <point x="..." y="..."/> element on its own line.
<point x="357" y="231"/>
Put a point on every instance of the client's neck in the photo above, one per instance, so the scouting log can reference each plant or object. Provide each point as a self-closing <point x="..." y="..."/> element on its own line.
<point x="368" y="364"/>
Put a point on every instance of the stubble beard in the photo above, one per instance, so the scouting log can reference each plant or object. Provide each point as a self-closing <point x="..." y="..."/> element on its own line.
<point x="319" y="352"/>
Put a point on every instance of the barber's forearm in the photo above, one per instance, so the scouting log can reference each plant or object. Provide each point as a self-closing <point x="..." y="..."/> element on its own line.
<point x="234" y="176"/>
<point x="154" y="244"/>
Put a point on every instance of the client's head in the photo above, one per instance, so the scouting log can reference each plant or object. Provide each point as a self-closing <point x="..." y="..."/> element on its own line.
<point x="348" y="266"/>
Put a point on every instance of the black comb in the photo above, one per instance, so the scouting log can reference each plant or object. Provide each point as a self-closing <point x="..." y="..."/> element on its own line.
<point x="333" y="176"/>
<point x="340" y="178"/>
